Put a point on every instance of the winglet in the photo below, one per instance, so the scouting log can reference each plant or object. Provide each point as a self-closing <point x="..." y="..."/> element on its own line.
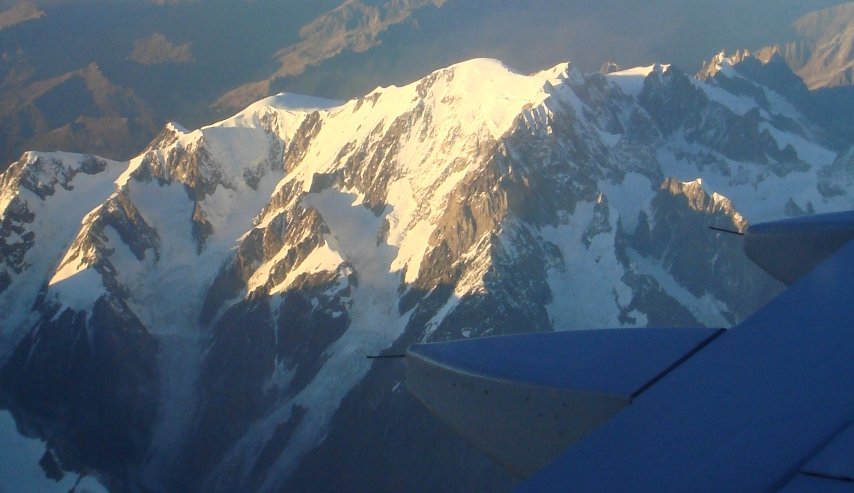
<point x="790" y="248"/>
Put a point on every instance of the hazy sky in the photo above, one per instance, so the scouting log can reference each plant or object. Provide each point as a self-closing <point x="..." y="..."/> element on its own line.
<point x="530" y="35"/>
<point x="541" y="31"/>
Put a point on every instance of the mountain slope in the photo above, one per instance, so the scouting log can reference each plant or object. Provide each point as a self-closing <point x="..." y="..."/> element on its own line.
<point x="78" y="111"/>
<point x="21" y="11"/>
<point x="822" y="55"/>
<point x="227" y="283"/>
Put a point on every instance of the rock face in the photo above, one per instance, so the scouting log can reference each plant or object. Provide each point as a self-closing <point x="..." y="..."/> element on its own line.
<point x="197" y="318"/>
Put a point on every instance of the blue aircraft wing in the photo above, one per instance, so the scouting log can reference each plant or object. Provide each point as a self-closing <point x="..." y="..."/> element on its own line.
<point x="765" y="406"/>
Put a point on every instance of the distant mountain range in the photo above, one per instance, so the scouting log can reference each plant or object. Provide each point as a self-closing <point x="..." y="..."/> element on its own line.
<point x="822" y="53"/>
<point x="197" y="318"/>
<point x="126" y="67"/>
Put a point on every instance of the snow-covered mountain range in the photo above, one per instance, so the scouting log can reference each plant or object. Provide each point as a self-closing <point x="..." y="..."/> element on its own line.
<point x="198" y="318"/>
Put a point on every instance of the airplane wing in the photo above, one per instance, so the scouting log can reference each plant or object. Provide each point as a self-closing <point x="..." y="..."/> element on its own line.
<point x="523" y="399"/>
<point x="767" y="405"/>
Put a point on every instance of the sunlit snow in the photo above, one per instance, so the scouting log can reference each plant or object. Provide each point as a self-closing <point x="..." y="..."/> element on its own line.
<point x="630" y="81"/>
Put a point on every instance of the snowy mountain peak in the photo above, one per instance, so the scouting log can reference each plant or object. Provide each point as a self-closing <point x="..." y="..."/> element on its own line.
<point x="44" y="173"/>
<point x="722" y="63"/>
<point x="280" y="114"/>
<point x="631" y="80"/>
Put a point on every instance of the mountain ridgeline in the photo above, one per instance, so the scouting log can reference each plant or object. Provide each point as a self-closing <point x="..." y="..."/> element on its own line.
<point x="198" y="317"/>
<point x="127" y="67"/>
